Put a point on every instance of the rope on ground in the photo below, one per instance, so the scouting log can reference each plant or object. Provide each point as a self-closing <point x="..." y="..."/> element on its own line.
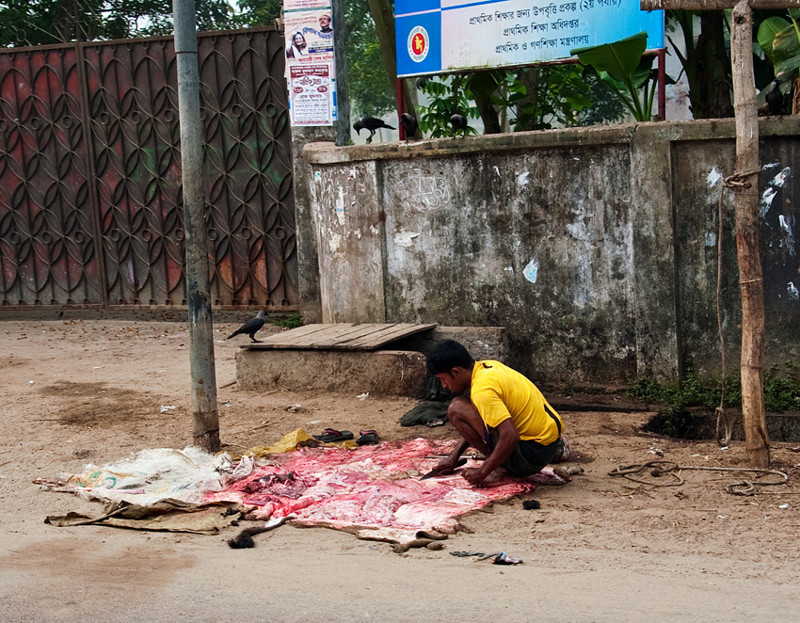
<point x="662" y="468"/>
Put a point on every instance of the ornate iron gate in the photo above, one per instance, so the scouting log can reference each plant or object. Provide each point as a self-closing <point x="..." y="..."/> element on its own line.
<point x="90" y="179"/>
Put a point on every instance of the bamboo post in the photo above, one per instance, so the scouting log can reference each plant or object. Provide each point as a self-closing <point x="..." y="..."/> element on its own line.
<point x="747" y="236"/>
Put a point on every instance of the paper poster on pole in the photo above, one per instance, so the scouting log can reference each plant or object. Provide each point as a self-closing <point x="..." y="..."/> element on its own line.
<point x="435" y="36"/>
<point x="310" y="65"/>
<point x="310" y="94"/>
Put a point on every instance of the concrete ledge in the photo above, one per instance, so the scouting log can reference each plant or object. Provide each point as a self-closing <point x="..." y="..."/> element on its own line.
<point x="323" y="153"/>
<point x="381" y="373"/>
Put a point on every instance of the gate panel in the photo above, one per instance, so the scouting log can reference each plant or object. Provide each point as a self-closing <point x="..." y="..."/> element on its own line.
<point x="133" y="114"/>
<point x="248" y="169"/>
<point x="90" y="174"/>
<point x="47" y="246"/>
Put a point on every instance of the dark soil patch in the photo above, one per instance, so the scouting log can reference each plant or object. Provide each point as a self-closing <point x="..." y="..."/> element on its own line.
<point x="93" y="404"/>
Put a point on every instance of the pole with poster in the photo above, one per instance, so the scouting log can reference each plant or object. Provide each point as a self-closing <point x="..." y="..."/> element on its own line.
<point x="310" y="65"/>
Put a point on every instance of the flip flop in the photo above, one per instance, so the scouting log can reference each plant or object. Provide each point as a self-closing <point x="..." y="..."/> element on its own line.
<point x="367" y="437"/>
<point x="331" y="434"/>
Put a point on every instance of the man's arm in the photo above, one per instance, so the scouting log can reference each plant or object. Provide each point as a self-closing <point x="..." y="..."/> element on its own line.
<point x="508" y="438"/>
<point x="449" y="464"/>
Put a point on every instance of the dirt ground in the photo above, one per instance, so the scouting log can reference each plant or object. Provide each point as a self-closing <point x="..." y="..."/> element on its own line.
<point x="79" y="391"/>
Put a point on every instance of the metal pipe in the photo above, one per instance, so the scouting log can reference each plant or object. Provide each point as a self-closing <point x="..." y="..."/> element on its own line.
<point x="662" y="83"/>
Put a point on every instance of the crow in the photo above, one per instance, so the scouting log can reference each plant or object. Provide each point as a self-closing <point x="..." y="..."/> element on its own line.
<point x="774" y="98"/>
<point x="250" y="327"/>
<point x="371" y="124"/>
<point x="409" y="125"/>
<point x="459" y="122"/>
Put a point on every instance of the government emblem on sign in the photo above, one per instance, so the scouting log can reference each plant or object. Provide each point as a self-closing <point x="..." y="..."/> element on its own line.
<point x="418" y="44"/>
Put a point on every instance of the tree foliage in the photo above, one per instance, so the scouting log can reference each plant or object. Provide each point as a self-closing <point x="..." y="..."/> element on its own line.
<point x="41" y="22"/>
<point x="519" y="99"/>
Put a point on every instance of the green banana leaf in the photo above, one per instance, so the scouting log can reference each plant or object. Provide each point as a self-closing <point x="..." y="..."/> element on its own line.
<point x="787" y="51"/>
<point x="619" y="59"/>
<point x="780" y="41"/>
<point x="767" y="32"/>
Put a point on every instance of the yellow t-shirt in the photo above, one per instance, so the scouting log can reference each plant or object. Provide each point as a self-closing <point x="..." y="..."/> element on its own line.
<point x="499" y="392"/>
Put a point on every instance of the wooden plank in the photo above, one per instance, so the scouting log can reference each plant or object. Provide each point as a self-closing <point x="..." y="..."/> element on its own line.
<point x="714" y="5"/>
<point x="328" y="336"/>
<point x="356" y="331"/>
<point x="386" y="335"/>
<point x="340" y="336"/>
<point x="288" y="339"/>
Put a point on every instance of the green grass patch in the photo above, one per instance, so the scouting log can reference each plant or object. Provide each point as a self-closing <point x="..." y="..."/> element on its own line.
<point x="291" y="321"/>
<point x="781" y="391"/>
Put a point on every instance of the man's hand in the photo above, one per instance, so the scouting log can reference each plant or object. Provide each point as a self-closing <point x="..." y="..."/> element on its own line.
<point x="446" y="466"/>
<point x="474" y="476"/>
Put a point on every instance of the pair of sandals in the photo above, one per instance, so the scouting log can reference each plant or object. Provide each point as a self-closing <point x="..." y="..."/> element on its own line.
<point x="365" y="437"/>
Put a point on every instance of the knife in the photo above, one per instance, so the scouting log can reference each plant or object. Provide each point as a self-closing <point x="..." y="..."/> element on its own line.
<point x="442" y="472"/>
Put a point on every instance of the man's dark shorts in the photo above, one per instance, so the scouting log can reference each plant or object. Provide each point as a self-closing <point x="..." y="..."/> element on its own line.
<point x="529" y="457"/>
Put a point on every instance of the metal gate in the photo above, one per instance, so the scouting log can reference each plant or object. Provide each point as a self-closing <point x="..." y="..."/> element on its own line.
<point x="91" y="210"/>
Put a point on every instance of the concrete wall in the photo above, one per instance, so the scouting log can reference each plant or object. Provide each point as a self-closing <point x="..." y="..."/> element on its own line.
<point x="592" y="246"/>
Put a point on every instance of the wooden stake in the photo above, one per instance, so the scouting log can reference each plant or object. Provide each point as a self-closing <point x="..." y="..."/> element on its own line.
<point x="747" y="236"/>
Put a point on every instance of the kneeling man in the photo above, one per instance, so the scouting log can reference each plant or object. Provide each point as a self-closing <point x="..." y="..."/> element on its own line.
<point x="506" y="416"/>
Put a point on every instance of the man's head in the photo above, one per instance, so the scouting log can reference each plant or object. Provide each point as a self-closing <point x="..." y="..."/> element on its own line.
<point x="452" y="364"/>
<point x="325" y="22"/>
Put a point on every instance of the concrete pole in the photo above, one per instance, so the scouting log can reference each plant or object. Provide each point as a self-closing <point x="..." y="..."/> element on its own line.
<point x="201" y="337"/>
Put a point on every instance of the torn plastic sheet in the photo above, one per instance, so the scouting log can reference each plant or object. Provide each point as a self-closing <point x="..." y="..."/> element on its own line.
<point x="148" y="477"/>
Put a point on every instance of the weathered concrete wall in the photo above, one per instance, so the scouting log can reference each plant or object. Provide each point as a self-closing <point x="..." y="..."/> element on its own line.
<point x="589" y="245"/>
<point x="380" y="373"/>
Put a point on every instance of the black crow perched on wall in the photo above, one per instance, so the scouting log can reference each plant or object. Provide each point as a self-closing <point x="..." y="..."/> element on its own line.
<point x="459" y="122"/>
<point x="409" y="125"/>
<point x="371" y="124"/>
<point x="774" y="98"/>
<point x="251" y="327"/>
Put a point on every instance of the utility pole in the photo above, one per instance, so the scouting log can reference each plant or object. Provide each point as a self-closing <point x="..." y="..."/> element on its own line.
<point x="205" y="417"/>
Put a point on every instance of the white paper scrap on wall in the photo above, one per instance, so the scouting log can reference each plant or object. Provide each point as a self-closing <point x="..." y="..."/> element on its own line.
<point x="405" y="238"/>
<point x="531" y="271"/>
<point x="713" y="177"/>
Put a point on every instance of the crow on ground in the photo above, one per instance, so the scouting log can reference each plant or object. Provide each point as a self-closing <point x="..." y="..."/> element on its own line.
<point x="774" y="98"/>
<point x="251" y="327"/>
<point x="371" y="124"/>
<point x="459" y="122"/>
<point x="409" y="125"/>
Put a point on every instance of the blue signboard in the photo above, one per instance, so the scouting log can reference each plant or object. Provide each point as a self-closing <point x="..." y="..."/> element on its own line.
<point x="437" y="36"/>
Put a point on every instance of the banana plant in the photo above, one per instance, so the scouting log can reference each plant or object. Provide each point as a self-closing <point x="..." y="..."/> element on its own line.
<point x="780" y="40"/>
<point x="622" y="67"/>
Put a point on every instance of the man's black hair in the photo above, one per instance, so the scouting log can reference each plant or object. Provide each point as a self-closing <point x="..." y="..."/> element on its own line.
<point x="447" y="355"/>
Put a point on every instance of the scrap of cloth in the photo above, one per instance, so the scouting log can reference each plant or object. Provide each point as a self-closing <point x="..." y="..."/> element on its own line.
<point x="373" y="487"/>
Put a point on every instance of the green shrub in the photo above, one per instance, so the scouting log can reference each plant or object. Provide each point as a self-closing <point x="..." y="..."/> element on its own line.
<point x="781" y="391"/>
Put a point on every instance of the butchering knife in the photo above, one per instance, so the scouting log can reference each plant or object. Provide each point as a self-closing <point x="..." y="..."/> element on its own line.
<point x="443" y="472"/>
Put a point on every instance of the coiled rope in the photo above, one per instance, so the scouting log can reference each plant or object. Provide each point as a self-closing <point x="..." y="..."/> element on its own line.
<point x="670" y="468"/>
